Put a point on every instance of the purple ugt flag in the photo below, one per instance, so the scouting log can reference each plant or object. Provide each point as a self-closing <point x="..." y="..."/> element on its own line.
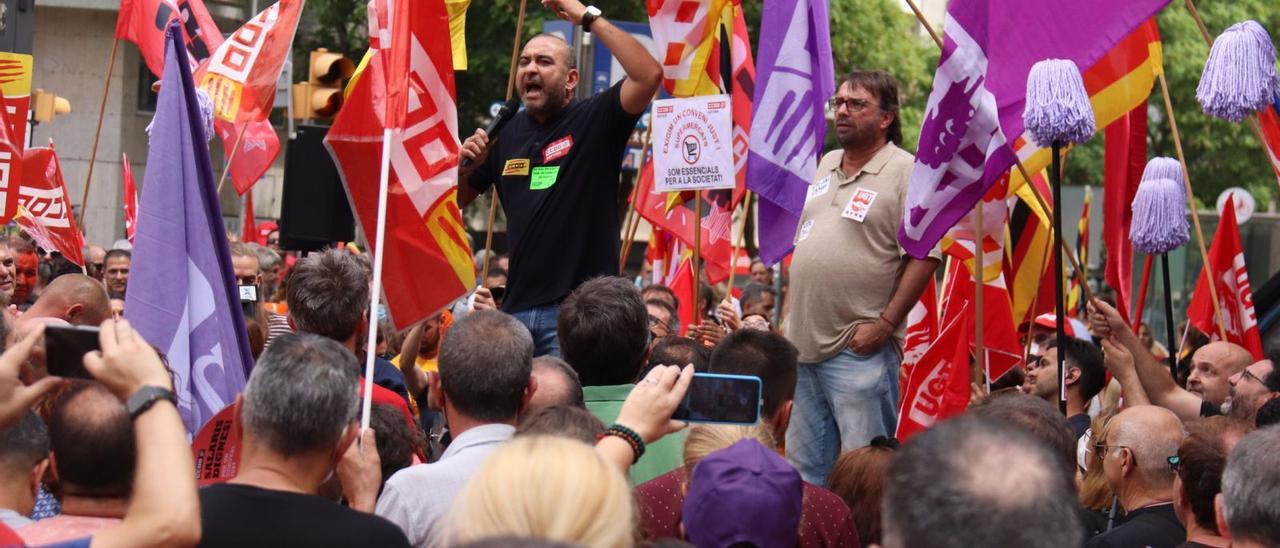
<point x="979" y="91"/>
<point x="182" y="295"/>
<point x="795" y="77"/>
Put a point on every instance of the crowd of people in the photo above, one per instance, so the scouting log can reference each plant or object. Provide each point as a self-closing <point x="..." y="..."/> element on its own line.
<point x="537" y="410"/>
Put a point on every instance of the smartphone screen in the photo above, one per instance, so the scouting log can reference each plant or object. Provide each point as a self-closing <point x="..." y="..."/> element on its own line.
<point x="65" y="347"/>
<point x="711" y="397"/>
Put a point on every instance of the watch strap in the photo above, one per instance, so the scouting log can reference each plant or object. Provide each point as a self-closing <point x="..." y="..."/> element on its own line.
<point x="147" y="396"/>
<point x="589" y="17"/>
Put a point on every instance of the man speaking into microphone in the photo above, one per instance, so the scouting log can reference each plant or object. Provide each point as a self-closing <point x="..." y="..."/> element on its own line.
<point x="556" y="166"/>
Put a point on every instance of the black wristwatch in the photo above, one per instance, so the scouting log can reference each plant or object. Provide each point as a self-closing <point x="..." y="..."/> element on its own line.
<point x="589" y="17"/>
<point x="147" y="396"/>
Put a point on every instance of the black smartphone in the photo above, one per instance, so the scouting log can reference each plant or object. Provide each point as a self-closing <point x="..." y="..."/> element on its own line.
<point x="65" y="347"/>
<point x="730" y="399"/>
<point x="498" y="292"/>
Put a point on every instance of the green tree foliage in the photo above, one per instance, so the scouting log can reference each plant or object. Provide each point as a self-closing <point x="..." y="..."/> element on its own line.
<point x="1219" y="154"/>
<point x="878" y="34"/>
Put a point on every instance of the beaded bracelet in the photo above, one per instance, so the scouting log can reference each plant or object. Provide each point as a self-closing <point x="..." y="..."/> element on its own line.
<point x="630" y="436"/>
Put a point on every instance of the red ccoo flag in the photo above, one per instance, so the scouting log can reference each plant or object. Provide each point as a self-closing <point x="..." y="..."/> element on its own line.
<point x="45" y="211"/>
<point x="427" y="260"/>
<point x="240" y="79"/>
<point x="1226" y="264"/>
<point x="922" y="327"/>
<point x="11" y="147"/>
<point x="143" y="22"/>
<point x="130" y="200"/>
<point x="938" y="387"/>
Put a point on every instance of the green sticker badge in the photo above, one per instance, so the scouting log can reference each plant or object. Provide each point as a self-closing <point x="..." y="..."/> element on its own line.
<point x="543" y="177"/>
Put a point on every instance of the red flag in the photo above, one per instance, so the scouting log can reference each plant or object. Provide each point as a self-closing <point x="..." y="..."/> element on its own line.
<point x="11" y="150"/>
<point x="922" y="327"/>
<point x="1126" y="157"/>
<point x="1226" y="262"/>
<point x="999" y="334"/>
<point x="682" y="285"/>
<point x="1269" y="119"/>
<point x="46" y="210"/>
<point x="130" y="200"/>
<point x="240" y="79"/>
<point x="250" y="232"/>
<point x="143" y="22"/>
<point x="427" y="261"/>
<point x="938" y="387"/>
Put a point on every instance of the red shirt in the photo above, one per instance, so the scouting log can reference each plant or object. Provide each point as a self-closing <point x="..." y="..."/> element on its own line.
<point x="825" y="519"/>
<point x="382" y="395"/>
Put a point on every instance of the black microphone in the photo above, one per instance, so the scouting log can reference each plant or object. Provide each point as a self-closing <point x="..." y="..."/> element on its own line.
<point x="504" y="115"/>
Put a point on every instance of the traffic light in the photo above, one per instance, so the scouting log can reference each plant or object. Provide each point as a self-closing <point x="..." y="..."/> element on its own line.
<point x="321" y="95"/>
<point x="47" y="105"/>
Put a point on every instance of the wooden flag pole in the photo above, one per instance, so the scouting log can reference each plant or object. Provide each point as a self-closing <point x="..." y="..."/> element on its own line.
<point x="1142" y="294"/>
<point x="231" y="157"/>
<point x="93" y="152"/>
<point x="1208" y="39"/>
<point x="1021" y="168"/>
<point x="1191" y="202"/>
<point x="633" y="215"/>
<point x="1035" y="297"/>
<point x="511" y="88"/>
<point x="737" y="243"/>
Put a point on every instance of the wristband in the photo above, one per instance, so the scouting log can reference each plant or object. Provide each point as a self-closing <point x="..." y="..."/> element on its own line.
<point x="886" y="320"/>
<point x="630" y="436"/>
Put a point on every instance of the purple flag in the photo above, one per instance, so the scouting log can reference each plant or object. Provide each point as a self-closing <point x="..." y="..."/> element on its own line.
<point x="182" y="295"/>
<point x="978" y="95"/>
<point x="795" y="77"/>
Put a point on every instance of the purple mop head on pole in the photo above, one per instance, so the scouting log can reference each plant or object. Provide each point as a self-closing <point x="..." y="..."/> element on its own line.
<point x="1239" y="76"/>
<point x="1057" y="107"/>
<point x="1160" y="209"/>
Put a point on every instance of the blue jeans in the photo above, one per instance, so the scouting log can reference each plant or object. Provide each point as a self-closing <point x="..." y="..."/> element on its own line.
<point x="541" y="322"/>
<point x="840" y="404"/>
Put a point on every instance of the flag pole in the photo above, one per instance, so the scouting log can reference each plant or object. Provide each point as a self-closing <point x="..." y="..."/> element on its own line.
<point x="1021" y="168"/>
<point x="1191" y="202"/>
<point x="511" y="88"/>
<point x="1208" y="39"/>
<point x="375" y="292"/>
<point x="697" y="256"/>
<point x="1142" y="294"/>
<point x="93" y="152"/>
<point x="1035" y="297"/>
<point x="737" y="244"/>
<point x="980" y="364"/>
<point x="633" y="221"/>
<point x="231" y="157"/>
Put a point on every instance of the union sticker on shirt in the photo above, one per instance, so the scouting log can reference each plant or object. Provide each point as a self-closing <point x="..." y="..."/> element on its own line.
<point x="804" y="230"/>
<point x="859" y="204"/>
<point x="557" y="149"/>
<point x="819" y="188"/>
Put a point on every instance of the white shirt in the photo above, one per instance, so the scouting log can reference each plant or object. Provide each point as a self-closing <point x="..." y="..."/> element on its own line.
<point x="417" y="498"/>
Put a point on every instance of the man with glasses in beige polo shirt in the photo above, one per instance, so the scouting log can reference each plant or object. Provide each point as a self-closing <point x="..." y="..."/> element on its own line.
<point x="852" y="285"/>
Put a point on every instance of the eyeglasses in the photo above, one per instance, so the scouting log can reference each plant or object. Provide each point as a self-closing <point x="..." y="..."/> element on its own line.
<point x="854" y="105"/>
<point x="1103" y="448"/>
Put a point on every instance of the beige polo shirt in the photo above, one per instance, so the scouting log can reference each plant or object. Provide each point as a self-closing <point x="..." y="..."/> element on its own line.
<point x="847" y="260"/>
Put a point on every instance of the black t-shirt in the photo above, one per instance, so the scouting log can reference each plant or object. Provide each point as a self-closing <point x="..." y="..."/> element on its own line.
<point x="1153" y="527"/>
<point x="558" y="183"/>
<point x="241" y="515"/>
<point x="1209" y="410"/>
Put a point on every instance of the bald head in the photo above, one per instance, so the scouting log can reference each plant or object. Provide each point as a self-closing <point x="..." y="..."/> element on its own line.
<point x="558" y="384"/>
<point x="1211" y="367"/>
<point x="75" y="298"/>
<point x="1152" y="434"/>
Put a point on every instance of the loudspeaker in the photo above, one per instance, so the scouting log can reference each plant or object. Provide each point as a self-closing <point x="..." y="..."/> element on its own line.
<point x="315" y="212"/>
